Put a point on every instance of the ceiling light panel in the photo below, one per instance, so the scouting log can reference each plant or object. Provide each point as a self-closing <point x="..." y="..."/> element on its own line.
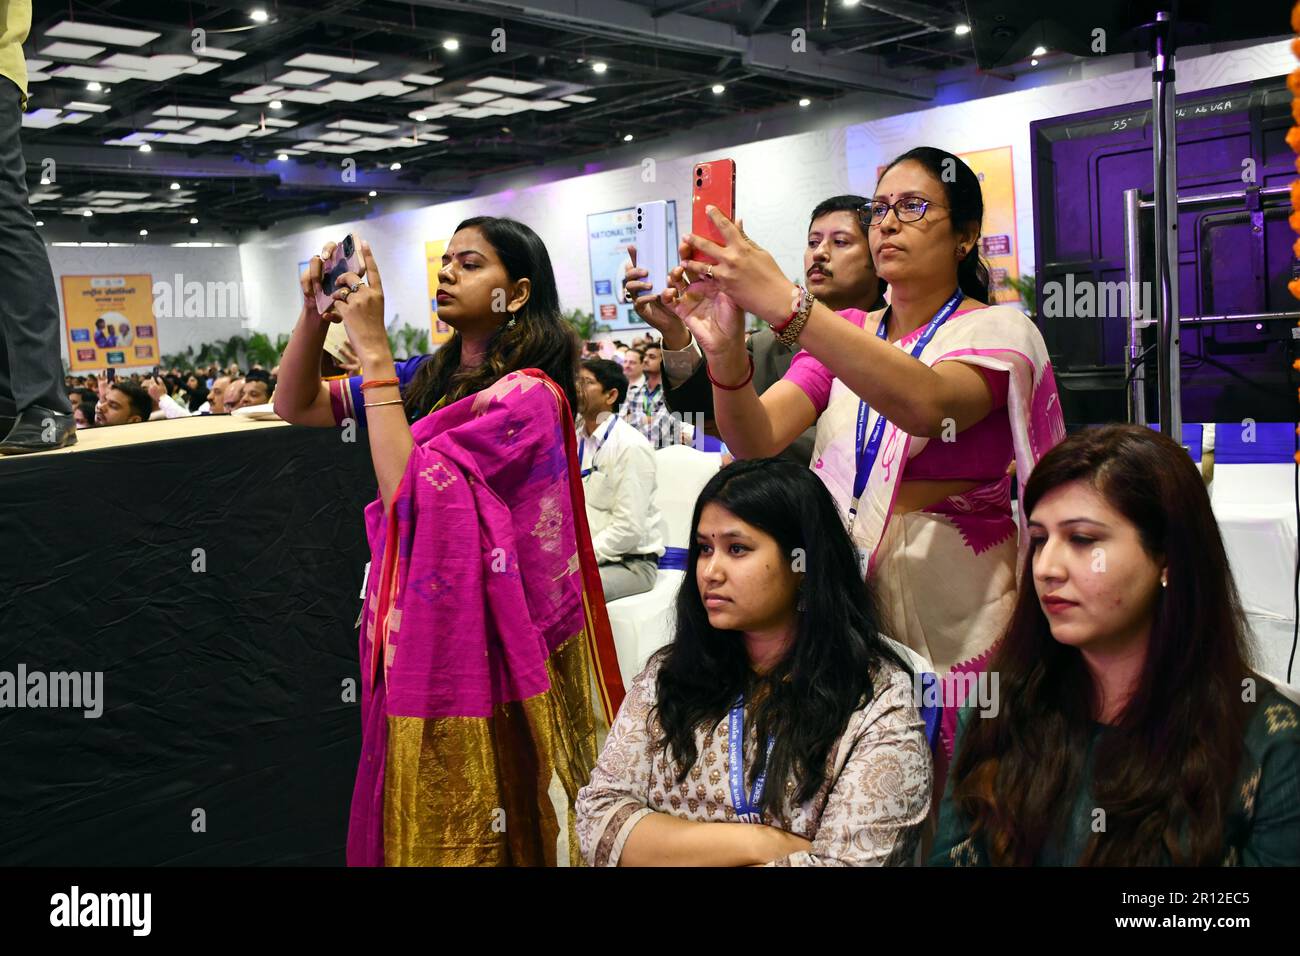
<point x="118" y="36"/>
<point x="331" y="64"/>
<point x="502" y="84"/>
<point x="71" y="51"/>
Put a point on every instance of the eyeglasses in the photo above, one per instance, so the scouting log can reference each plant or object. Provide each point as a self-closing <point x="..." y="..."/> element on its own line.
<point x="907" y="209"/>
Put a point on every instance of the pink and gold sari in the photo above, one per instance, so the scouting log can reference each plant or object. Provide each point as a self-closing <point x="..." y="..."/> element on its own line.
<point x="487" y="664"/>
<point x="947" y="575"/>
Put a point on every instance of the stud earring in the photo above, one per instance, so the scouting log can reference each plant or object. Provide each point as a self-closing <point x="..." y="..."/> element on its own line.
<point x="1164" y="580"/>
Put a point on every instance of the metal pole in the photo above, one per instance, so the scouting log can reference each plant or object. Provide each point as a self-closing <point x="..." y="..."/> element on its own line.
<point x="1134" y="367"/>
<point x="1164" y="143"/>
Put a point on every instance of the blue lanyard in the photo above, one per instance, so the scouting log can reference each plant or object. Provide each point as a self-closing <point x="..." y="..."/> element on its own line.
<point x="648" y="401"/>
<point x="591" y="466"/>
<point x="747" y="810"/>
<point x="868" y="450"/>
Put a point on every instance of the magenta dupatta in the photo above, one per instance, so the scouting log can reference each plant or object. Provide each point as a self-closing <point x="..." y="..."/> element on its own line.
<point x="481" y="570"/>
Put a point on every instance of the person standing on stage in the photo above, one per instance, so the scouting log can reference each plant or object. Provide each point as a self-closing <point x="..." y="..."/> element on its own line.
<point x="35" y="414"/>
<point x="485" y="643"/>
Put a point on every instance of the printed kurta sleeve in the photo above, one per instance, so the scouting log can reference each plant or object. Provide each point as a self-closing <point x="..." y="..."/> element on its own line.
<point x="1272" y="793"/>
<point x="880" y="799"/>
<point x="615" y="800"/>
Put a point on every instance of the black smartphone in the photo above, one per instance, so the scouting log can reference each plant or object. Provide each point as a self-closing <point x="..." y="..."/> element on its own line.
<point x="110" y="374"/>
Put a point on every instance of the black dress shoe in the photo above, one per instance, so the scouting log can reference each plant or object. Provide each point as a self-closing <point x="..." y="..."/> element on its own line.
<point x="39" y="429"/>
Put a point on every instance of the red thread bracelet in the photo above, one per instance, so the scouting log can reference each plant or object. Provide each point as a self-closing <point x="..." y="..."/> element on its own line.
<point x="379" y="383"/>
<point x="732" y="388"/>
<point x="778" y="329"/>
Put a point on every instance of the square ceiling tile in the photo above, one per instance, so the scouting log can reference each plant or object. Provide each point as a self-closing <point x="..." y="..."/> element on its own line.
<point x="206" y="66"/>
<point x="337" y="136"/>
<point x="301" y="78"/>
<point x="304" y="96"/>
<point x="95" y="73"/>
<point x="478" y="96"/>
<point x="88" y="107"/>
<point x="331" y="64"/>
<point x="217" y="54"/>
<point x="363" y="127"/>
<point x="421" y="79"/>
<point x="169" y="124"/>
<point x="547" y="106"/>
<point x="578" y="98"/>
<point x="504" y="85"/>
<point x="118" y="36"/>
<point x="71" y="51"/>
<point x="194" y="112"/>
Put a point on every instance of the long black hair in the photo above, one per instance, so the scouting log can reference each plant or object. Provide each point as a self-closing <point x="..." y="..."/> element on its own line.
<point x="1166" y="772"/>
<point x="965" y="199"/>
<point x="809" y="696"/>
<point x="540" y="337"/>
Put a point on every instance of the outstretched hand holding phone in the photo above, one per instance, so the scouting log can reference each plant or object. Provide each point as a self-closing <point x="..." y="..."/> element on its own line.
<point x="650" y="308"/>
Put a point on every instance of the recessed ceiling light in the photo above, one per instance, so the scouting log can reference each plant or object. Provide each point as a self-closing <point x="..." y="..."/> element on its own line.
<point x="395" y="167"/>
<point x="94" y="86"/>
<point x="194" y="220"/>
<point x="373" y="194"/>
<point x="40" y="222"/>
<point x="176" y="186"/>
<point x="1039" y="50"/>
<point x="452" y="44"/>
<point x="283" y="157"/>
<point x="805" y="102"/>
<point x="45" y="181"/>
<point x="962" y="29"/>
<point x="258" y="16"/>
<point x="1033" y="62"/>
<point x="144" y="232"/>
<point x="276" y="105"/>
<point x="146" y="148"/>
<point x="419" y="117"/>
<point x="627" y="138"/>
<point x="719" y="88"/>
<point x="87" y="213"/>
<point x="599" y="67"/>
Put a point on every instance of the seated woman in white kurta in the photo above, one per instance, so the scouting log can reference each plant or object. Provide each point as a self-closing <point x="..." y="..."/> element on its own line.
<point x="777" y="640"/>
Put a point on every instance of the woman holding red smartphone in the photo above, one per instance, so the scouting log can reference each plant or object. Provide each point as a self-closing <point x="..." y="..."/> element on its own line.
<point x="487" y="663"/>
<point x="920" y="408"/>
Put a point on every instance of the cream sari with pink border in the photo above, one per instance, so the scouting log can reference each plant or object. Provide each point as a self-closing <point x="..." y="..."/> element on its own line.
<point x="946" y="575"/>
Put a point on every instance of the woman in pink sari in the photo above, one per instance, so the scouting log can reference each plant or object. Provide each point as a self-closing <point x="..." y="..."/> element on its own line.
<point x="920" y="408"/>
<point x="487" y="663"/>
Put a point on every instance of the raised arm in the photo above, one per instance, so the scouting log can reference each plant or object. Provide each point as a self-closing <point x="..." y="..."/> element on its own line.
<point x="363" y="314"/>
<point x="300" y="395"/>
<point x="752" y="427"/>
<point x="917" y="398"/>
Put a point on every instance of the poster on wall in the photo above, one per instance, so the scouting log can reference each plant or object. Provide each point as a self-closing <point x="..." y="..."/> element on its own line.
<point x="439" y="331"/>
<point x="998" y="241"/>
<point x="110" y="322"/>
<point x="608" y="236"/>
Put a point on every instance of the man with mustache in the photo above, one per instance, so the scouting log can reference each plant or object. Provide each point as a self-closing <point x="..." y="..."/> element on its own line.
<point x="838" y="270"/>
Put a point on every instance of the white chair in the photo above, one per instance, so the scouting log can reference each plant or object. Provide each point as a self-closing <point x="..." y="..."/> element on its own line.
<point x="643" y="623"/>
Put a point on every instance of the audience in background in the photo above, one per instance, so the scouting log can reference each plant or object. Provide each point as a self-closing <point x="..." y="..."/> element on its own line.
<point x="233" y="393"/>
<point x="123" y="403"/>
<point x="83" y="413"/>
<point x="777" y="640"/>
<point x="618" y="480"/>
<point x="645" y="408"/>
<point x="257" y="389"/>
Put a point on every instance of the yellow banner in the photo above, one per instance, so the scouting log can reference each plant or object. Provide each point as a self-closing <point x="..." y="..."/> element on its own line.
<point x="440" y="331"/>
<point x="110" y="322"/>
<point x="998" y="241"/>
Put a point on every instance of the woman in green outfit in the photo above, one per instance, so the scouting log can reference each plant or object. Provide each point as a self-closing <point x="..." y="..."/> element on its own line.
<point x="1130" y="729"/>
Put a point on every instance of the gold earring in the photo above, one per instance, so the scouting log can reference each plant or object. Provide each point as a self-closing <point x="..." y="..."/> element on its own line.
<point x="1164" y="580"/>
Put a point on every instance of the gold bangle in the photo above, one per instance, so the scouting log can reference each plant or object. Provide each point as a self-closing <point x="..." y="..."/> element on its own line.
<point x="394" y="401"/>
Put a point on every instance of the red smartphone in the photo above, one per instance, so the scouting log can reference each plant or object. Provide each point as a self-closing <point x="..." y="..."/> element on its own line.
<point x="346" y="258"/>
<point x="714" y="185"/>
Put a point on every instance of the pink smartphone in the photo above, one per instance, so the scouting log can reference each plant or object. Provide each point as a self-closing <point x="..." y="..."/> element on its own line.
<point x="715" y="185"/>
<point x="346" y="258"/>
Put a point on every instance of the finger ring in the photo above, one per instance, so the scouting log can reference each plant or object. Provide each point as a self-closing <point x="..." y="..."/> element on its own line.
<point x="346" y="293"/>
<point x="708" y="273"/>
<point x="354" y="288"/>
